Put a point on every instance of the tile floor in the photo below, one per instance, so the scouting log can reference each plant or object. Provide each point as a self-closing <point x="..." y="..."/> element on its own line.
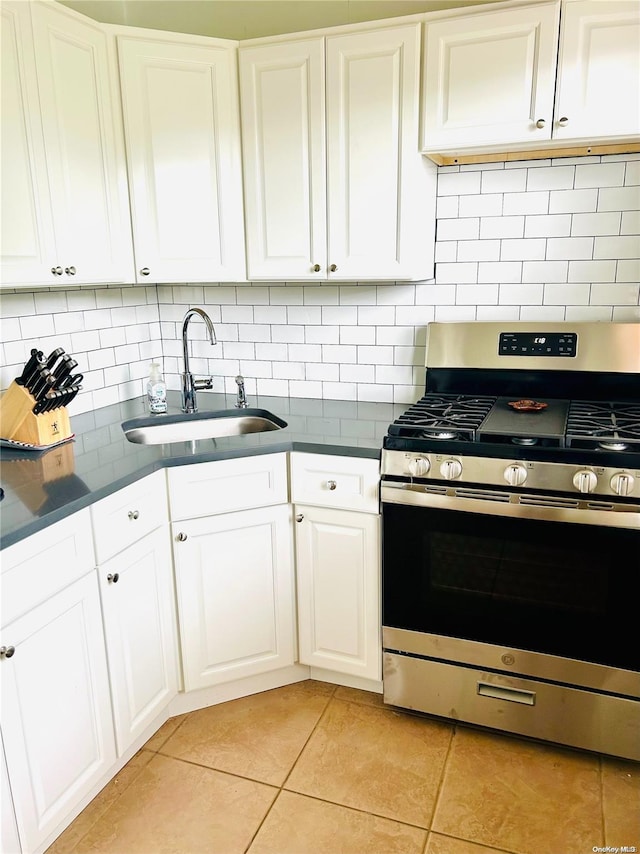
<point x="312" y="768"/>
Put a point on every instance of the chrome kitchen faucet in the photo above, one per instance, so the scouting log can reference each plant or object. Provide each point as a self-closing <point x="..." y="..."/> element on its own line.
<point x="189" y="384"/>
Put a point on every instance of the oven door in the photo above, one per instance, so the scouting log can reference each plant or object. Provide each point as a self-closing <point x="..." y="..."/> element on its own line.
<point x="564" y="590"/>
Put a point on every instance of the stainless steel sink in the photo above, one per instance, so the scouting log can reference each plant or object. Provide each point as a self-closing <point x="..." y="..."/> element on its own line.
<point x="163" y="429"/>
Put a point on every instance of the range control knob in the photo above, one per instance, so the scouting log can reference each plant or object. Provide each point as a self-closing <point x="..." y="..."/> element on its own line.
<point x="622" y="483"/>
<point x="451" y="469"/>
<point x="515" y="474"/>
<point x="418" y="466"/>
<point x="585" y="480"/>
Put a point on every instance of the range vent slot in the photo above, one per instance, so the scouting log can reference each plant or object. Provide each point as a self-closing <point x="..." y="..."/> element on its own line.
<point x="483" y="494"/>
<point x="549" y="501"/>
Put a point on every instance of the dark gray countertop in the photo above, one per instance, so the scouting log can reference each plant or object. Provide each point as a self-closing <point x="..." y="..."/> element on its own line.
<point x="43" y="487"/>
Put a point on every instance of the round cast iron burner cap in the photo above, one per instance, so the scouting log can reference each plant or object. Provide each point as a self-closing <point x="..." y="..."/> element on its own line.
<point x="613" y="446"/>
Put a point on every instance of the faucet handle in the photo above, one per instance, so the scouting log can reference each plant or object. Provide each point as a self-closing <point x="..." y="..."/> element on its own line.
<point x="204" y="384"/>
<point x="241" y="400"/>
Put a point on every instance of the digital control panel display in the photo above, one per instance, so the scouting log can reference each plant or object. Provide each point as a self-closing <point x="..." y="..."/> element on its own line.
<point x="538" y="344"/>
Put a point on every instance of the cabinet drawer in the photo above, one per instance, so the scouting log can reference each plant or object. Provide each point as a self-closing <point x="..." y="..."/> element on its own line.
<point x="223" y="486"/>
<point x="350" y="483"/>
<point x="39" y="566"/>
<point x="124" y="517"/>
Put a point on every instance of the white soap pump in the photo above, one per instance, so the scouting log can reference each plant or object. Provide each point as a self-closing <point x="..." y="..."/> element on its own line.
<point x="156" y="390"/>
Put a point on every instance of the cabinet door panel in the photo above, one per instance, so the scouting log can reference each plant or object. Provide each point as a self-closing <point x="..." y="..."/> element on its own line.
<point x="141" y="634"/>
<point x="599" y="69"/>
<point x="183" y="143"/>
<point x="379" y="195"/>
<point x="56" y="711"/>
<point x="235" y="595"/>
<point x="490" y="77"/>
<point x="28" y="247"/>
<point x="282" y="88"/>
<point x="338" y="574"/>
<point x="85" y="156"/>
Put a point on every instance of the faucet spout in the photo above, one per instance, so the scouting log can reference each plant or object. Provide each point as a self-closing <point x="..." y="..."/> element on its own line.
<point x="189" y="384"/>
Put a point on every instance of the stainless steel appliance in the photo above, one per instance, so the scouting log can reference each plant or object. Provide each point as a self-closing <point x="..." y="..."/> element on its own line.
<point x="511" y="533"/>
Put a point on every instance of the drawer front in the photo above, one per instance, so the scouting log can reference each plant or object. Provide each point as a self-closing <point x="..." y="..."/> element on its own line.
<point x="129" y="514"/>
<point x="41" y="565"/>
<point x="349" y="483"/>
<point x="223" y="486"/>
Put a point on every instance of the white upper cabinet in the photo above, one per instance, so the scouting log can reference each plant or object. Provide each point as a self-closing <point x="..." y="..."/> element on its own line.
<point x="490" y="78"/>
<point x="598" y="69"/>
<point x="65" y="214"/>
<point x="180" y="103"/>
<point x="334" y="185"/>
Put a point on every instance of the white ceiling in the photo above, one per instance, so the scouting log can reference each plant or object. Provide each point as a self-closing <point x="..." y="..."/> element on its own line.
<point x="244" y="19"/>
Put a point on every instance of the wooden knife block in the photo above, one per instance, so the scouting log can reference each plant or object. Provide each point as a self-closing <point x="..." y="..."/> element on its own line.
<point x="18" y="423"/>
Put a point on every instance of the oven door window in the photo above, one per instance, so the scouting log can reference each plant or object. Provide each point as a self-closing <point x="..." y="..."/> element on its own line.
<point x="548" y="587"/>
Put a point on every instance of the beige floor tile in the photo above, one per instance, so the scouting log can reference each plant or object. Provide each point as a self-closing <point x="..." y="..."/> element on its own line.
<point x="259" y="737"/>
<point x="301" y="825"/>
<point x="375" y="760"/>
<point x="173" y="807"/>
<point x="354" y="695"/>
<point x="105" y="799"/>
<point x="520" y="796"/>
<point x="166" y="730"/>
<point x="438" y="844"/>
<point x="621" y="803"/>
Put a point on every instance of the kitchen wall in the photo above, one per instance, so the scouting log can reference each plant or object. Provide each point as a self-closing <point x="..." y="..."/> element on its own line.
<point x="537" y="240"/>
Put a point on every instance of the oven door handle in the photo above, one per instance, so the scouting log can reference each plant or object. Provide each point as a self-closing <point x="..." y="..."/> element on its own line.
<point x="524" y="506"/>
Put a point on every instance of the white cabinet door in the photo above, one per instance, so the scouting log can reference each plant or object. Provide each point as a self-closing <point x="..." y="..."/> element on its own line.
<point x="83" y="140"/>
<point x="381" y="199"/>
<point x="138" y="603"/>
<point x="9" y="839"/>
<point x="489" y="77"/>
<point x="598" y="90"/>
<point x="338" y="579"/>
<point x="234" y="576"/>
<point x="56" y="710"/>
<point x="283" y="137"/>
<point x="352" y="200"/>
<point x="28" y="246"/>
<point x="180" y="103"/>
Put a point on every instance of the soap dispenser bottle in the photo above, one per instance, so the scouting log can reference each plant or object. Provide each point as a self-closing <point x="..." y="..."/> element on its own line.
<point x="156" y="390"/>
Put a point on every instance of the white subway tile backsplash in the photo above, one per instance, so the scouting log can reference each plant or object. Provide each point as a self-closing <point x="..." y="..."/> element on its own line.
<point x="526" y="203"/>
<point x="527" y="240"/>
<point x="616" y="247"/>
<point x="573" y="201"/>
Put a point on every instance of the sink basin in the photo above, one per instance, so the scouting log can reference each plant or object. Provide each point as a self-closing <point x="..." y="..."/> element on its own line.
<point x="162" y="429"/>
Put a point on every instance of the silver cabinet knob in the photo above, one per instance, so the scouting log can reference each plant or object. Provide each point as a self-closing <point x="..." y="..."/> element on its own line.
<point x="332" y="484"/>
<point x="145" y="271"/>
<point x="540" y="123"/>
<point x="7" y="651"/>
<point x="57" y="271"/>
<point x="563" y="122"/>
<point x="70" y="271"/>
<point x="181" y="537"/>
<point x="333" y="268"/>
<point x="299" y="517"/>
<point x="316" y="268"/>
<point x="133" y="515"/>
<point x="113" y="577"/>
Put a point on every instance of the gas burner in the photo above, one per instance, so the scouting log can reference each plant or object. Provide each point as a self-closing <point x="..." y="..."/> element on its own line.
<point x="439" y="434"/>
<point x="521" y="440"/>
<point x="612" y="426"/>
<point x="613" y="446"/>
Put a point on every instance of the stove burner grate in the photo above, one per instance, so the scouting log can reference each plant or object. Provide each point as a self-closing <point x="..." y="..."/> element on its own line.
<point x="612" y="426"/>
<point x="443" y="417"/>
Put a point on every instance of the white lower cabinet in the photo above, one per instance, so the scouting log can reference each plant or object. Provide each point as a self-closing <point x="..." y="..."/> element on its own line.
<point x="138" y="599"/>
<point x="234" y="576"/>
<point x="9" y="839"/>
<point x="337" y="563"/>
<point x="337" y="536"/>
<point x="56" y="709"/>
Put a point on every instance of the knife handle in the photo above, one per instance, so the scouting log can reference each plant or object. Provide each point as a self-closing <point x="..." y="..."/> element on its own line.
<point x="54" y="356"/>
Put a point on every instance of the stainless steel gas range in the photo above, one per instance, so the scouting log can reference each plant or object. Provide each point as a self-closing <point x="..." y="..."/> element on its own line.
<point x="511" y="533"/>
